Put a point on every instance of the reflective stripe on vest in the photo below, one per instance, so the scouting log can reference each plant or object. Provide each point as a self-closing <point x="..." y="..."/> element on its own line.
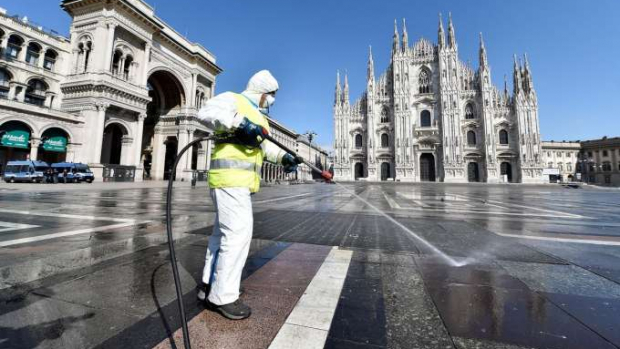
<point x="235" y="164"/>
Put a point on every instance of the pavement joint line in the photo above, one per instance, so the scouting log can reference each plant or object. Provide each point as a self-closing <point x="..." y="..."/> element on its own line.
<point x="548" y="238"/>
<point x="68" y="233"/>
<point x="393" y="204"/>
<point x="281" y="198"/>
<point x="315" y="310"/>
<point x="566" y="214"/>
<point x="64" y="215"/>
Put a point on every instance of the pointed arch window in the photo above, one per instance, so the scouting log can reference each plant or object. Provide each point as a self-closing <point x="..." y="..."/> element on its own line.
<point x="503" y="137"/>
<point x="469" y="111"/>
<point x="384" y="140"/>
<point x="471" y="138"/>
<point x="385" y="115"/>
<point x="425" y="118"/>
<point x="358" y="141"/>
<point x="424" y="81"/>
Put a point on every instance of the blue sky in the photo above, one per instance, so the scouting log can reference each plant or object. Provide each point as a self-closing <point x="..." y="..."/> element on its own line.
<point x="573" y="47"/>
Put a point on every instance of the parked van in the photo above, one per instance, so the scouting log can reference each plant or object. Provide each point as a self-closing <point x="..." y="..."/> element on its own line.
<point x="74" y="171"/>
<point x="25" y="171"/>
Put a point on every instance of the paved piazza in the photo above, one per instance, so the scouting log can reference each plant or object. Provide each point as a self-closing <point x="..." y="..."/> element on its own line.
<point x="359" y="265"/>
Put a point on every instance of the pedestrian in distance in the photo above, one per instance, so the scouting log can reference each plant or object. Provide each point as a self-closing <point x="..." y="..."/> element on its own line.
<point x="240" y="123"/>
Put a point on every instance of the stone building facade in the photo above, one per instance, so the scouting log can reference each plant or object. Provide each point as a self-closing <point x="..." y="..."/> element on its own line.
<point x="124" y="89"/>
<point x="561" y="160"/>
<point x="431" y="117"/>
<point x="600" y="161"/>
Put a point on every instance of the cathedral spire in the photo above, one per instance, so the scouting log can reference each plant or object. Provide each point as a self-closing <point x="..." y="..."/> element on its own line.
<point x="345" y="94"/>
<point x="505" y="87"/>
<point x="483" y="54"/>
<point x="338" y="96"/>
<point x="516" y="77"/>
<point x="527" y="74"/>
<point x="371" y="66"/>
<point x="405" y="36"/>
<point x="396" y="43"/>
<point x="451" y="37"/>
<point x="441" y="36"/>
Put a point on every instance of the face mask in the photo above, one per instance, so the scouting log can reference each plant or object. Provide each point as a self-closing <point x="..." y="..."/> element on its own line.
<point x="268" y="102"/>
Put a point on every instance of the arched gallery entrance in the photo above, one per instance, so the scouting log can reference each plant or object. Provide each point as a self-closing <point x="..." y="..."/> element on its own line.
<point x="53" y="147"/>
<point x="427" y="167"/>
<point x="112" y="148"/>
<point x="167" y="99"/>
<point x="15" y="143"/>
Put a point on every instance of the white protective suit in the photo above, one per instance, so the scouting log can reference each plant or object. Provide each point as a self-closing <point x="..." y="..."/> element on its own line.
<point x="232" y="231"/>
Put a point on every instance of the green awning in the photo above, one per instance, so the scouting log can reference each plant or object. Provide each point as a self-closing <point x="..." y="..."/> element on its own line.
<point x="16" y="139"/>
<point x="55" y="143"/>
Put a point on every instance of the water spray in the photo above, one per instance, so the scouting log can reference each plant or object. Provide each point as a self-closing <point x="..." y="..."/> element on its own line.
<point x="451" y="261"/>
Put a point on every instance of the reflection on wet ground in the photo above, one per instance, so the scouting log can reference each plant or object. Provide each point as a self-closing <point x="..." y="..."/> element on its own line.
<point x="541" y="266"/>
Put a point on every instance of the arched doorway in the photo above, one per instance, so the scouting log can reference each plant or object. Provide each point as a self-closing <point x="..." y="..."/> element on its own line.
<point x="506" y="169"/>
<point x="385" y="171"/>
<point x="172" y="146"/>
<point x="359" y="170"/>
<point x="167" y="98"/>
<point x="473" y="172"/>
<point x="15" y="142"/>
<point x="427" y="167"/>
<point x="112" y="148"/>
<point x="53" y="147"/>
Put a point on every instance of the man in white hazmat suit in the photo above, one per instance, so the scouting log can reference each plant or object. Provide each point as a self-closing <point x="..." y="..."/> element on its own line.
<point x="239" y="122"/>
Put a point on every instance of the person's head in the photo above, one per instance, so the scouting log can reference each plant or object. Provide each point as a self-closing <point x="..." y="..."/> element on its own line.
<point x="262" y="89"/>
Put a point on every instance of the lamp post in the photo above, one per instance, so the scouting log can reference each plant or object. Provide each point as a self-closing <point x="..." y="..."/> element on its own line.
<point x="310" y="135"/>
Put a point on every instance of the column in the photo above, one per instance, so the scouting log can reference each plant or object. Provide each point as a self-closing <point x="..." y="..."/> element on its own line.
<point x="209" y="149"/>
<point x="3" y="44"/>
<point x="121" y="67"/>
<point x="21" y="95"/>
<point x="109" y="51"/>
<point x="145" y="63"/>
<point x="202" y="156"/>
<point x="34" y="148"/>
<point x="189" y="152"/>
<point x="41" y="60"/>
<point x="48" y="99"/>
<point x="126" y="151"/>
<point x="138" y="140"/>
<point x="158" y="155"/>
<point x="21" y="56"/>
<point x="12" y="88"/>
<point x="75" y="61"/>
<point x="183" y="140"/>
<point x="97" y="136"/>
<point x="192" y="96"/>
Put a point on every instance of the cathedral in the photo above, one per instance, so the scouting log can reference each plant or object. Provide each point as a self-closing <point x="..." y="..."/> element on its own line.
<point x="431" y="117"/>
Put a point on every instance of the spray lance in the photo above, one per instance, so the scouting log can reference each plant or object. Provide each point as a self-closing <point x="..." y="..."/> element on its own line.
<point x="175" y="270"/>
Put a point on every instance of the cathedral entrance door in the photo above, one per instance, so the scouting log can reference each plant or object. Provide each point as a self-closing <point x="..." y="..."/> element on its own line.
<point x="385" y="171"/>
<point x="359" y="170"/>
<point x="427" y="167"/>
<point x="506" y="169"/>
<point x="473" y="174"/>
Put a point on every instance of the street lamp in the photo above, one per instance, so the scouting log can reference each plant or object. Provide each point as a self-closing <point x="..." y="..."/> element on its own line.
<point x="310" y="135"/>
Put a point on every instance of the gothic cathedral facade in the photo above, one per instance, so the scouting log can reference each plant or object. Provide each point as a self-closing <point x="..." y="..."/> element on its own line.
<point x="430" y="117"/>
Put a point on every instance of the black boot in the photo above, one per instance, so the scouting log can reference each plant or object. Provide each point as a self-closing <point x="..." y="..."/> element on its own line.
<point x="204" y="289"/>
<point x="233" y="311"/>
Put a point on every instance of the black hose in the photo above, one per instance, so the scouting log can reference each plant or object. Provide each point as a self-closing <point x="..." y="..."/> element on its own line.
<point x="173" y="258"/>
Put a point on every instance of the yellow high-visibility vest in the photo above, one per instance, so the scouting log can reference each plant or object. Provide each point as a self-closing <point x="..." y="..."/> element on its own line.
<point x="235" y="165"/>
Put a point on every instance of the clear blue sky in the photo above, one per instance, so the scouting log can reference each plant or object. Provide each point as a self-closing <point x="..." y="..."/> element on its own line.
<point x="573" y="46"/>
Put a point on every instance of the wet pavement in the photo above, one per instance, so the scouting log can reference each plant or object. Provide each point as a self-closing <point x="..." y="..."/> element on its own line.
<point x="354" y="266"/>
